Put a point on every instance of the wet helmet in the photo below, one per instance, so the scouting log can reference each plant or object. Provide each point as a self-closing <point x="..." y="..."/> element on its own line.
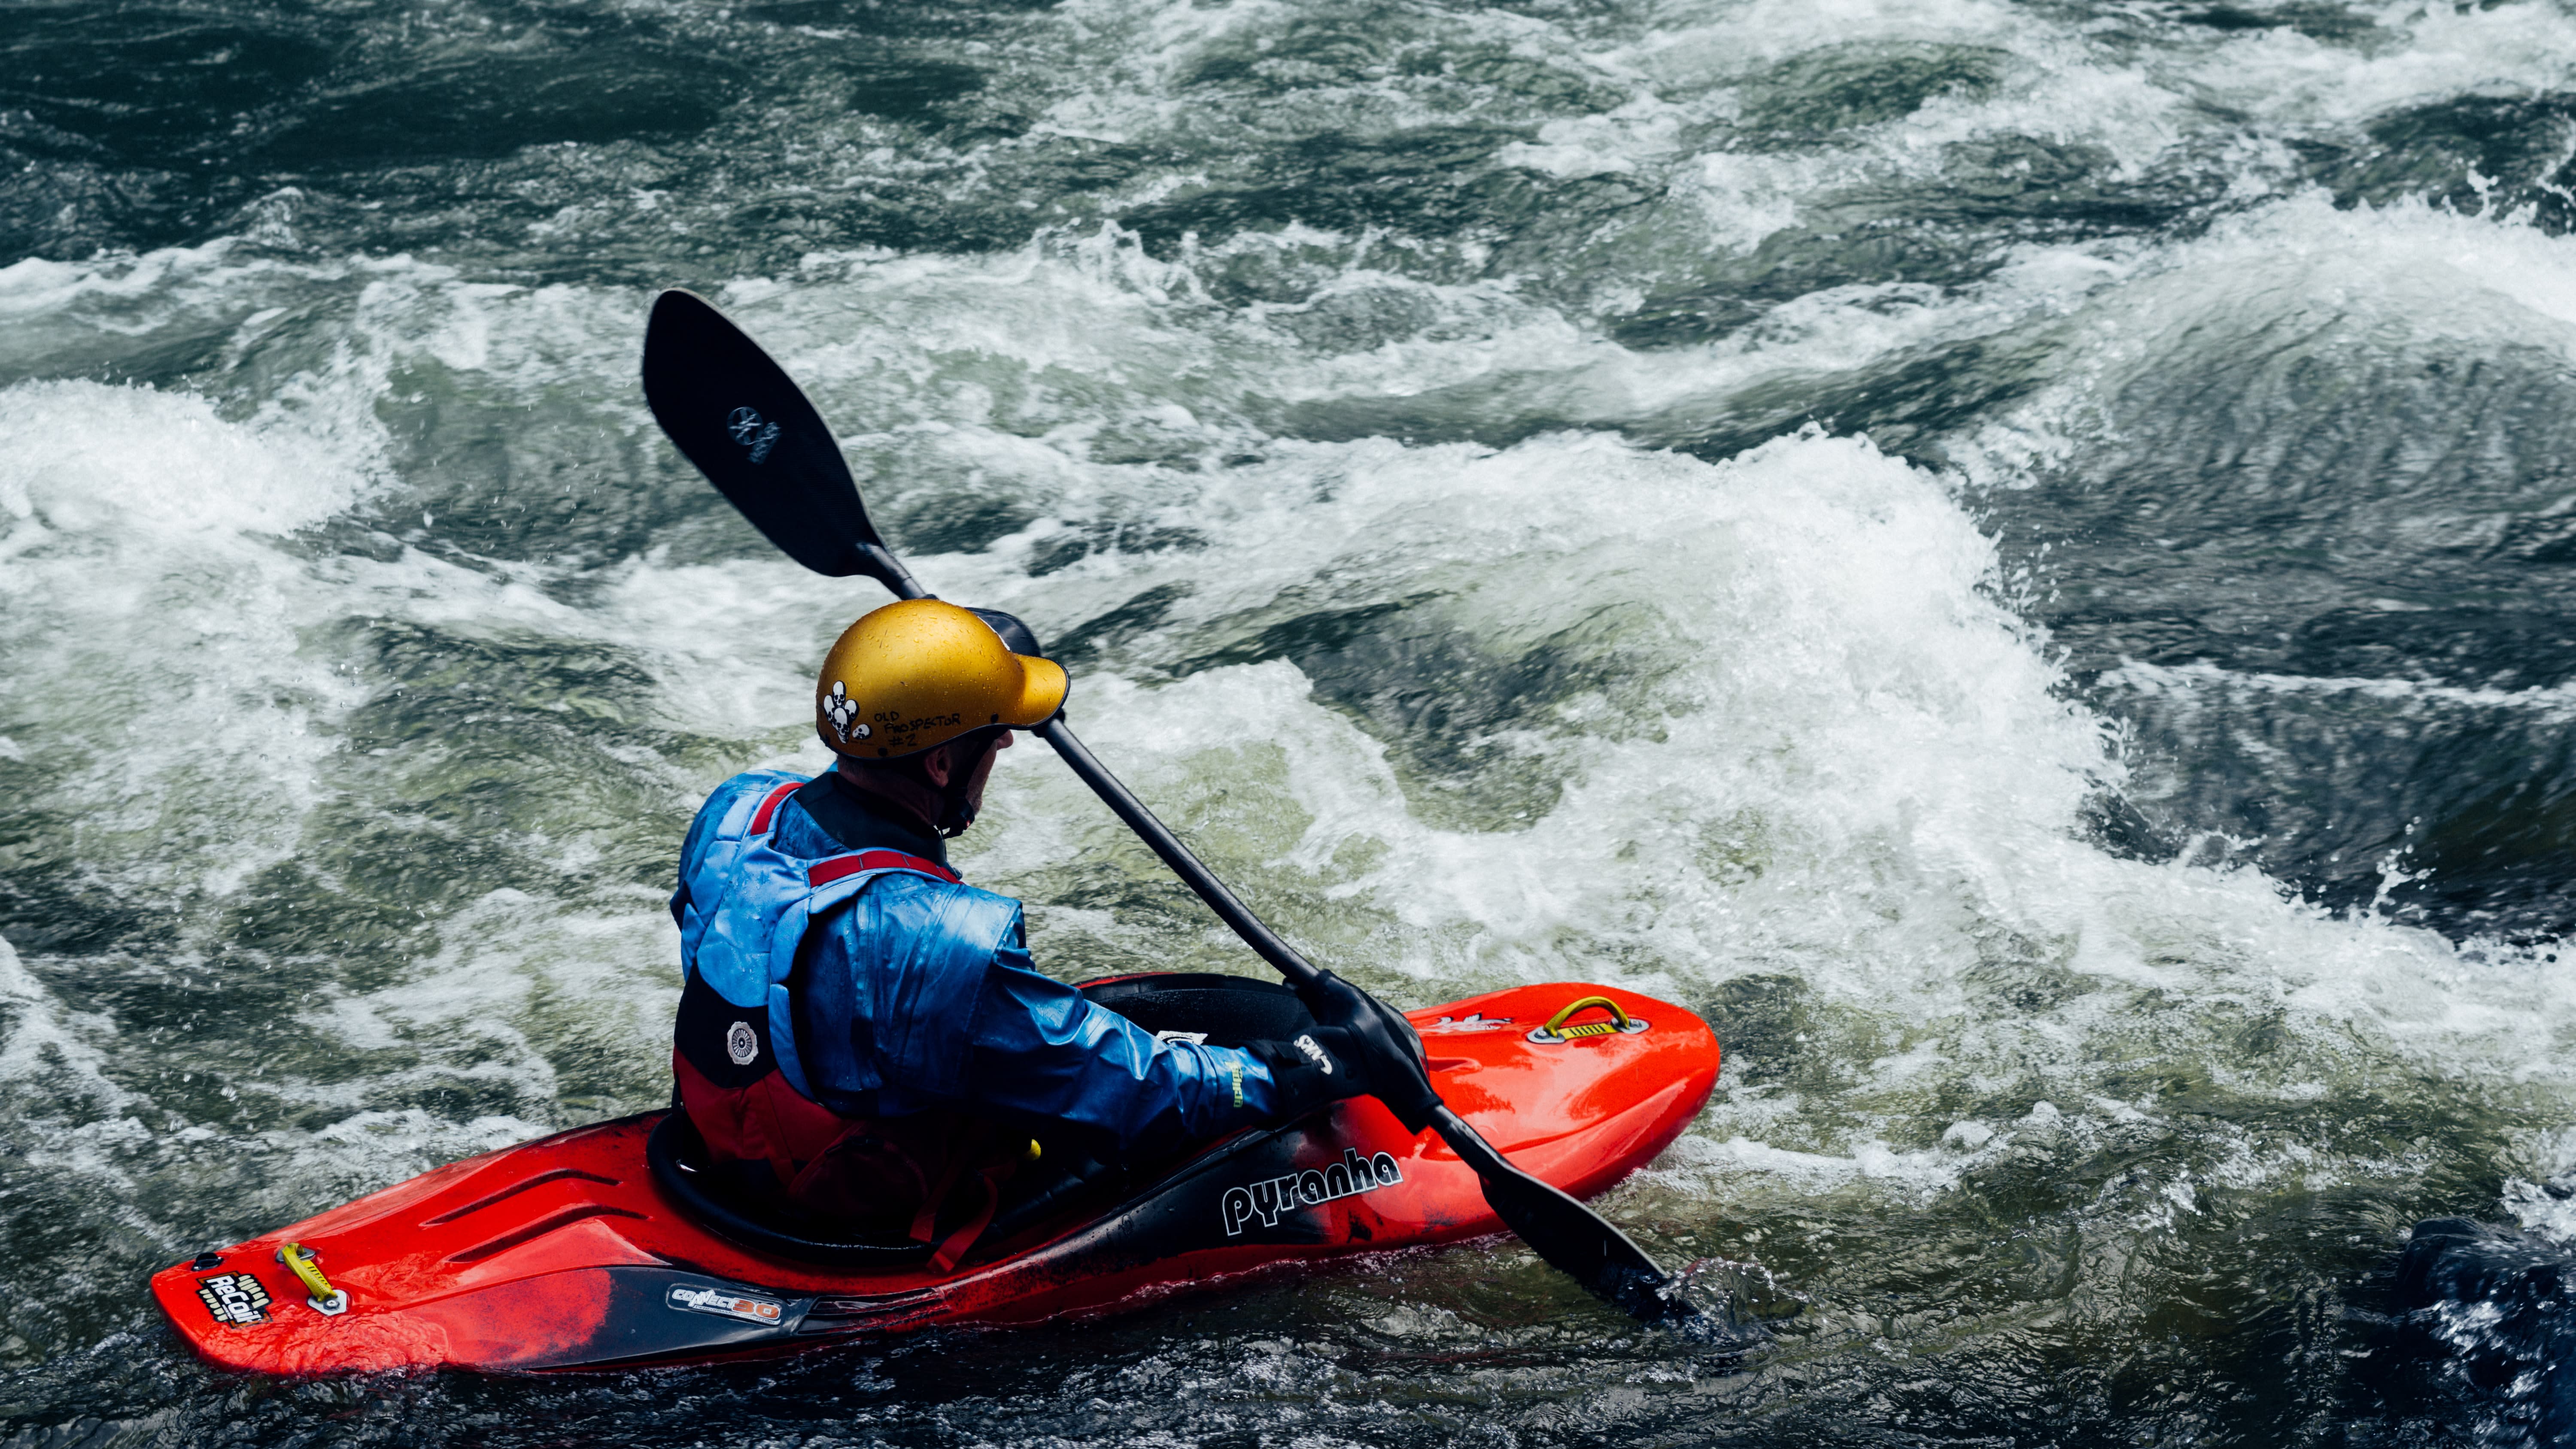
<point x="916" y="674"/>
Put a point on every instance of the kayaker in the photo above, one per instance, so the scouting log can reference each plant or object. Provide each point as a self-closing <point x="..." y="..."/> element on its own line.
<point x="863" y="1037"/>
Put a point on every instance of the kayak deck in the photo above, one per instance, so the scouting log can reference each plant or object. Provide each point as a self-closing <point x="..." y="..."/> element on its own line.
<point x="564" y="1253"/>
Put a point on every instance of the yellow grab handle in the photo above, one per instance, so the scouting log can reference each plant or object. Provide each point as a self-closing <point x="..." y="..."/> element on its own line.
<point x="299" y="1260"/>
<point x="1556" y="1029"/>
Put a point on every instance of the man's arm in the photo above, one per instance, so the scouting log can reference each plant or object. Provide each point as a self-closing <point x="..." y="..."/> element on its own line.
<point x="923" y="995"/>
<point x="1039" y="1047"/>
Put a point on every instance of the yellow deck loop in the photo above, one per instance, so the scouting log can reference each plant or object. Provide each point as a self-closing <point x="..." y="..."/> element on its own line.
<point x="299" y="1260"/>
<point x="1557" y="1031"/>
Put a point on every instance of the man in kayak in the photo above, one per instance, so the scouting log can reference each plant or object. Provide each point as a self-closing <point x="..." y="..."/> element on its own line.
<point x="862" y="1036"/>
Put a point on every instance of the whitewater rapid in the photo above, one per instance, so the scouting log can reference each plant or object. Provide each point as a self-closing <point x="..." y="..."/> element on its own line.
<point x="2003" y="555"/>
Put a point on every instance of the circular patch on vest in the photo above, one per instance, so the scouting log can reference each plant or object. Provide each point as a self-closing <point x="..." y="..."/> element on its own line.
<point x="742" y="1044"/>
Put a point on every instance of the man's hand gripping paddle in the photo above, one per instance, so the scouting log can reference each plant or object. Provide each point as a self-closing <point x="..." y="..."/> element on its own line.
<point x="748" y="427"/>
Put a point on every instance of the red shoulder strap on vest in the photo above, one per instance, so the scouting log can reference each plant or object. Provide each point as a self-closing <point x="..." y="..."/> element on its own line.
<point x="769" y="807"/>
<point x="823" y="872"/>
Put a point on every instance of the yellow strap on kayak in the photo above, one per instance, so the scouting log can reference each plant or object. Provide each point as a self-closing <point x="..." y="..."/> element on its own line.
<point x="1556" y="1029"/>
<point x="300" y="1261"/>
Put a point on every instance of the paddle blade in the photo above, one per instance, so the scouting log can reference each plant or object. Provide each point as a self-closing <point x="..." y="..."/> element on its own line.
<point x="747" y="426"/>
<point x="1580" y="1243"/>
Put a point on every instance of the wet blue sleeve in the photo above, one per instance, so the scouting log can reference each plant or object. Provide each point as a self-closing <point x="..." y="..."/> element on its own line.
<point x="1040" y="1048"/>
<point x="922" y="995"/>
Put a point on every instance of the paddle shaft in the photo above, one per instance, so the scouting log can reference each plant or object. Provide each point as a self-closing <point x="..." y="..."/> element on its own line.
<point x="1464" y="1140"/>
<point x="1122" y="801"/>
<point x="1471" y="1148"/>
<point x="878" y="562"/>
<point x="1264" y="941"/>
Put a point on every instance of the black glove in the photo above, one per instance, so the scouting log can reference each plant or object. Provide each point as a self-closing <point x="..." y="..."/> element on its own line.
<point x="1384" y="1047"/>
<point x="1318" y="1065"/>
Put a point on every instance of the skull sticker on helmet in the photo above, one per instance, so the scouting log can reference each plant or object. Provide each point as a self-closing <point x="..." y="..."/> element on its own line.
<point x="842" y="711"/>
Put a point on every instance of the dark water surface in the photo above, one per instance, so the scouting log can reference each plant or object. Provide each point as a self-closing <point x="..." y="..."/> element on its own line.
<point x="2018" y="558"/>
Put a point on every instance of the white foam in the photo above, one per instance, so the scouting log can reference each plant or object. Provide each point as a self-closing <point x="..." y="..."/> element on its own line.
<point x="2432" y="53"/>
<point x="154" y="615"/>
<point x="1841" y="762"/>
<point x="1718" y="1165"/>
<point x="1817" y="747"/>
<point x="516" y="981"/>
<point x="47" y="1044"/>
<point x="2363" y="281"/>
<point x="2188" y="681"/>
<point x="87" y="459"/>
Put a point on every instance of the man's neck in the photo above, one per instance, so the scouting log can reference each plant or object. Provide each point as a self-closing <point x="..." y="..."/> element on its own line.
<point x="904" y="800"/>
<point x="864" y="821"/>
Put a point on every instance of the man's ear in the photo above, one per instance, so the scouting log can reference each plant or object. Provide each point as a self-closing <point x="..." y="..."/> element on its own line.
<point x="940" y="764"/>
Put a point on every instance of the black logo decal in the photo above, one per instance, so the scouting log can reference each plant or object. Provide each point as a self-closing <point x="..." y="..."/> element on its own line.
<point x="234" y="1298"/>
<point x="1271" y="1196"/>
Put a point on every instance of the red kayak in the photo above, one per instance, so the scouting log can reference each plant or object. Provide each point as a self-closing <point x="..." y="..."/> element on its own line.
<point x="607" y="1245"/>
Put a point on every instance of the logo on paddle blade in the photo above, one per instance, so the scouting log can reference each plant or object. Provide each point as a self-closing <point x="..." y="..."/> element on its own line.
<point x="748" y="429"/>
<point x="1271" y="1196"/>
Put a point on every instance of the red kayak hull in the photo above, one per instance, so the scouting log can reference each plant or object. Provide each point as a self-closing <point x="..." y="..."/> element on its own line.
<point x="564" y="1253"/>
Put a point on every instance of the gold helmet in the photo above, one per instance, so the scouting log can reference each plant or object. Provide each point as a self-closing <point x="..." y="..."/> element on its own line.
<point x="919" y="673"/>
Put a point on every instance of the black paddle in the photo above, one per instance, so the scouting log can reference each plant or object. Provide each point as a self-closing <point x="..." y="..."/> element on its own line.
<point x="748" y="427"/>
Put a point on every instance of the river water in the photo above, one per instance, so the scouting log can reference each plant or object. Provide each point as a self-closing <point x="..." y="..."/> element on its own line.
<point x="2019" y="558"/>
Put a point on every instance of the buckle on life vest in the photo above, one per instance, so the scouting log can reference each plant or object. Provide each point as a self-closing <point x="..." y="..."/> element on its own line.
<point x="1556" y="1032"/>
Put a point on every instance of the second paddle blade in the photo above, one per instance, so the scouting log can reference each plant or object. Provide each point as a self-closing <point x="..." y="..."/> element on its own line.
<point x="1580" y="1243"/>
<point x="748" y="427"/>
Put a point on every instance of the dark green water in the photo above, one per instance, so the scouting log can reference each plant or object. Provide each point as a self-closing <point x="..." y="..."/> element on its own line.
<point x="2018" y="558"/>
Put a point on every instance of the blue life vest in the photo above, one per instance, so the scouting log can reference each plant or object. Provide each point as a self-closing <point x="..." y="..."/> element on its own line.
<point x="919" y="978"/>
<point x="746" y="906"/>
